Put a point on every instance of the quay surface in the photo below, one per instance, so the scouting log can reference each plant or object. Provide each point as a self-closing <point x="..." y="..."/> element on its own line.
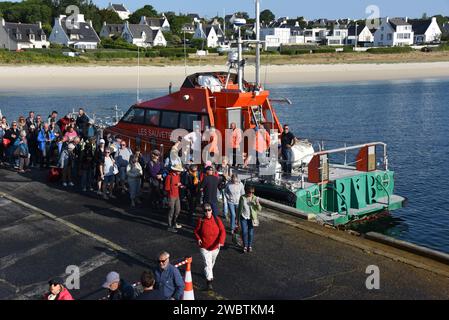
<point x="44" y="228"/>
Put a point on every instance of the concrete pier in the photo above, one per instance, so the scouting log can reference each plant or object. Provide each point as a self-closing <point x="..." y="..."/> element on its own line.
<point x="44" y="228"/>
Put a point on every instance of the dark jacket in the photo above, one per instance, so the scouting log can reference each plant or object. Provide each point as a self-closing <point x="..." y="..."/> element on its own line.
<point x="124" y="292"/>
<point x="151" y="295"/>
<point x="210" y="188"/>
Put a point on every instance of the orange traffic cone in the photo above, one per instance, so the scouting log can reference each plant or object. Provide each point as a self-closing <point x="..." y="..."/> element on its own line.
<point x="188" y="288"/>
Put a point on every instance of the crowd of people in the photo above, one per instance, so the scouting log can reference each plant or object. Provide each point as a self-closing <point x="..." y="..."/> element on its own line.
<point x="77" y="156"/>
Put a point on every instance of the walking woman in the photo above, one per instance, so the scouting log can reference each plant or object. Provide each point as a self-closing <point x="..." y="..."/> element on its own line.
<point x="134" y="173"/>
<point x="210" y="235"/>
<point x="233" y="191"/>
<point x="249" y="206"/>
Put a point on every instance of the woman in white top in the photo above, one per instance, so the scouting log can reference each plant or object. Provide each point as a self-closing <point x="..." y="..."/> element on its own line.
<point x="134" y="173"/>
<point x="107" y="172"/>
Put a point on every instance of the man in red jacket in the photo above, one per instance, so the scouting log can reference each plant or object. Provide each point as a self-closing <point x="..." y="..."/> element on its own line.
<point x="172" y="185"/>
<point x="211" y="235"/>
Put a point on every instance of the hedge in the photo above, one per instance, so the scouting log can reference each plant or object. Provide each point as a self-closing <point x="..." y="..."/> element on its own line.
<point x="390" y="50"/>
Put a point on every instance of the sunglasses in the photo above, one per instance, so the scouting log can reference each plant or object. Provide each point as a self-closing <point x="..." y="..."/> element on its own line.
<point x="163" y="261"/>
<point x="208" y="209"/>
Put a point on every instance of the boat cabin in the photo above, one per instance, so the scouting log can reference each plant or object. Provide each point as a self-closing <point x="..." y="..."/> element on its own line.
<point x="213" y="99"/>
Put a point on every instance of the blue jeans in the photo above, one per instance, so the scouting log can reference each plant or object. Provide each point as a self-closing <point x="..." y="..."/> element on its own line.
<point x="232" y="210"/>
<point x="287" y="155"/>
<point x="247" y="232"/>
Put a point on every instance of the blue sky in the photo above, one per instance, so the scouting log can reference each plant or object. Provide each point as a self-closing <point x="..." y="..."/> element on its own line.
<point x="293" y="8"/>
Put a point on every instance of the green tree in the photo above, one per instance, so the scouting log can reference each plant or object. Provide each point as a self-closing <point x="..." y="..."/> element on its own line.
<point x="147" y="11"/>
<point x="177" y="22"/>
<point x="266" y="16"/>
<point x="107" y="16"/>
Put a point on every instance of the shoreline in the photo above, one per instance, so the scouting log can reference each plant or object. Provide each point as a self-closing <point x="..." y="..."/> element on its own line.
<point x="49" y="77"/>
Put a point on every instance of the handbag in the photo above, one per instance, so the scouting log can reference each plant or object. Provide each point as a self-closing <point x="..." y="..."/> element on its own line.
<point x="6" y="142"/>
<point x="116" y="171"/>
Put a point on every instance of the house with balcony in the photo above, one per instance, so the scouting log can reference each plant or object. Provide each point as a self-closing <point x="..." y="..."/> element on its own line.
<point x="337" y="36"/>
<point x="426" y="31"/>
<point x="18" y="36"/>
<point x="142" y="35"/>
<point x="394" y="32"/>
<point x="316" y="35"/>
<point x="120" y="9"/>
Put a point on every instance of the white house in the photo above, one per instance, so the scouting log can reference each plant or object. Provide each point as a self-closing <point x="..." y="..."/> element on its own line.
<point x="120" y="9"/>
<point x="275" y="37"/>
<point x="394" y="32"/>
<point x="364" y="37"/>
<point x="110" y="30"/>
<point x="17" y="36"/>
<point x="156" y="23"/>
<point x="337" y="37"/>
<point x="77" y="33"/>
<point x="315" y="35"/>
<point x="142" y="35"/>
<point x="209" y="34"/>
<point x="426" y="31"/>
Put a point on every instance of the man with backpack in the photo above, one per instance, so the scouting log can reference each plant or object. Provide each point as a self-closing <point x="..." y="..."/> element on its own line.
<point x="210" y="235"/>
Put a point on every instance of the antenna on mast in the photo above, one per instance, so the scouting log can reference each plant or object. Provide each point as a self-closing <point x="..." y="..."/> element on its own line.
<point x="258" y="44"/>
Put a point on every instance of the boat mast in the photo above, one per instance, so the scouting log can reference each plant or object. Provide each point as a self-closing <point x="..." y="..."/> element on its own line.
<point x="258" y="43"/>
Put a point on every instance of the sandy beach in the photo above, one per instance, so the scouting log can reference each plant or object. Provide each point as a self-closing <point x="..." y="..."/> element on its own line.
<point x="18" y="78"/>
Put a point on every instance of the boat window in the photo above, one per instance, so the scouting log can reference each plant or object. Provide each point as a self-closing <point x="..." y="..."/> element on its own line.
<point x="235" y="115"/>
<point x="170" y="119"/>
<point x="152" y="117"/>
<point x="135" y="115"/>
<point x="186" y="120"/>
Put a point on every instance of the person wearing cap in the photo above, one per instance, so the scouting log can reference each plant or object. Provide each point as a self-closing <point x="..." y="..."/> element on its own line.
<point x="172" y="186"/>
<point x="66" y="163"/>
<point x="168" y="278"/>
<point x="118" y="289"/>
<point x="210" y="235"/>
<point x="153" y="173"/>
<point x="209" y="187"/>
<point x="57" y="291"/>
